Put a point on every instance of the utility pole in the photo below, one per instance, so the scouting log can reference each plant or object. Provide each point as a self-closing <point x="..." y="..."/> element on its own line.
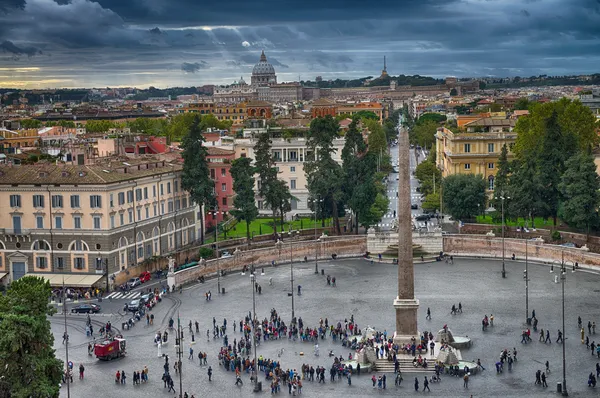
<point x="563" y="277"/>
<point x="526" y="283"/>
<point x="67" y="376"/>
<point x="179" y="347"/>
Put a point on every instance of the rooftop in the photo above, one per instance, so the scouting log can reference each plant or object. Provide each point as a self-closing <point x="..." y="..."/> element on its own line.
<point x="492" y="122"/>
<point x="104" y="172"/>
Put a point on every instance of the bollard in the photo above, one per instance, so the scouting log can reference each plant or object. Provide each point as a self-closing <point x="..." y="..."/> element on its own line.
<point x="559" y="387"/>
<point x="322" y="271"/>
<point x="222" y="290"/>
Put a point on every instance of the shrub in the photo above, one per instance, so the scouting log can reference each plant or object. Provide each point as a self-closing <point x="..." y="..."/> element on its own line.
<point x="555" y="235"/>
<point x="206" y="252"/>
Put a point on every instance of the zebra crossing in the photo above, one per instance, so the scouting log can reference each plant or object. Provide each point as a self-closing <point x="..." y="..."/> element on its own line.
<point x="124" y="295"/>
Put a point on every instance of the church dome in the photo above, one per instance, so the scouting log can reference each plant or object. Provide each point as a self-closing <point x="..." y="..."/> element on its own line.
<point x="263" y="67"/>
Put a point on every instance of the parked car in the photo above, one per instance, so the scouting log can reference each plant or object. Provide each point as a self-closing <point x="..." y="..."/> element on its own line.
<point x="145" y="276"/>
<point x="86" y="308"/>
<point x="134" y="305"/>
<point x="422" y="217"/>
<point x="414" y="206"/>
<point x="133" y="282"/>
<point x="225" y="254"/>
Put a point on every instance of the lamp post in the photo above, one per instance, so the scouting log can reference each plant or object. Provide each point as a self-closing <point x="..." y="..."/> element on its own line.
<point x="254" y="344"/>
<point x="291" y="234"/>
<point x="502" y="198"/>
<point x="179" y="351"/>
<point x="526" y="282"/>
<point x="563" y="277"/>
<point x="215" y="212"/>
<point x="67" y="377"/>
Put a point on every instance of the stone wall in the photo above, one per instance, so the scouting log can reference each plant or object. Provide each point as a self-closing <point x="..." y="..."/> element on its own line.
<point x="487" y="246"/>
<point x="379" y="242"/>
<point x="343" y="246"/>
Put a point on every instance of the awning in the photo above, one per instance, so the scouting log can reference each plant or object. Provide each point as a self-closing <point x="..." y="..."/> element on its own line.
<point x="3" y="274"/>
<point x="70" y="280"/>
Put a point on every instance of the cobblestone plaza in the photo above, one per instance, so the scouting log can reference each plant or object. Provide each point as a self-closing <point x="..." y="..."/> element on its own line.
<point x="366" y="291"/>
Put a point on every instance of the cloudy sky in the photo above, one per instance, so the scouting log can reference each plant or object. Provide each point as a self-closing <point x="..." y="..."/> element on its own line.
<point x="165" y="43"/>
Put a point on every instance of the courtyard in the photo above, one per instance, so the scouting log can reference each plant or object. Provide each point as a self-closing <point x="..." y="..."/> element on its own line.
<point x="366" y="291"/>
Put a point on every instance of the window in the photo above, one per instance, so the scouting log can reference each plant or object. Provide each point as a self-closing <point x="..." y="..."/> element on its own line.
<point x="39" y="222"/>
<point x="41" y="262"/>
<point x="41" y="245"/>
<point x="77" y="222"/>
<point x="95" y="201"/>
<point x="292" y="169"/>
<point x="176" y="185"/>
<point x="184" y="203"/>
<point x="121" y="198"/>
<point x="121" y="219"/>
<point x="75" y="202"/>
<point x="58" y="222"/>
<point x="490" y="165"/>
<point x="224" y="187"/>
<point x="59" y="262"/>
<point x="170" y="206"/>
<point x="491" y="183"/>
<point x="38" y="201"/>
<point x="154" y="208"/>
<point x="140" y="245"/>
<point x="57" y="201"/>
<point x="224" y="201"/>
<point x="223" y="172"/>
<point x="162" y="191"/>
<point x="97" y="222"/>
<point x="292" y="184"/>
<point x="147" y="212"/>
<point x="293" y="156"/>
<point x="129" y="196"/>
<point x="177" y="204"/>
<point x="17" y="223"/>
<point x="79" y="262"/>
<point x="467" y="166"/>
<point x="139" y="213"/>
<point x="15" y="200"/>
<point x="491" y="148"/>
<point x="467" y="148"/>
<point x="162" y="207"/>
<point x="130" y="214"/>
<point x="212" y="174"/>
<point x="99" y="263"/>
<point x="138" y="194"/>
<point x="111" y="200"/>
<point x="145" y="192"/>
<point x="154" y="191"/>
<point x="168" y="187"/>
<point x="112" y="221"/>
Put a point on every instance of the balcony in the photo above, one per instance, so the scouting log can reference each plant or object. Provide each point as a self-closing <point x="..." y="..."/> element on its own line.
<point x="17" y="232"/>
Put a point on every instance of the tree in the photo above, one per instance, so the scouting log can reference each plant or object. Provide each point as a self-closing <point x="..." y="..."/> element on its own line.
<point x="550" y="167"/>
<point x="27" y="358"/>
<point x="99" y="126"/>
<point x="524" y="190"/>
<point x="377" y="138"/>
<point x="30" y="123"/>
<point x="501" y="181"/>
<point x="464" y="195"/>
<point x="267" y="174"/>
<point x="243" y="186"/>
<point x="195" y="177"/>
<point x="324" y="175"/>
<point x="431" y="202"/>
<point x="359" y="167"/>
<point x="436" y="117"/>
<point x="426" y="172"/>
<point x="522" y="104"/>
<point x="424" y="133"/>
<point x="580" y="187"/>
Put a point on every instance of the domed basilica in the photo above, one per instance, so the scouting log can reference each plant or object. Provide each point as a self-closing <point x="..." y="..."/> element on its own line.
<point x="263" y="73"/>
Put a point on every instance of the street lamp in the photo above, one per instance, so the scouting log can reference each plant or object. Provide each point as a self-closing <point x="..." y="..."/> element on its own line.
<point x="214" y="213"/>
<point x="526" y="283"/>
<point x="563" y="277"/>
<point x="502" y="198"/>
<point x="179" y="352"/>
<point x="291" y="235"/>
<point x="254" y="342"/>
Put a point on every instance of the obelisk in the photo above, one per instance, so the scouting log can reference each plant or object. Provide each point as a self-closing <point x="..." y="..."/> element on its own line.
<point x="406" y="304"/>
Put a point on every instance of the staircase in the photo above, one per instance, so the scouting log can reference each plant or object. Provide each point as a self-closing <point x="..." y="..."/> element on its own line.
<point x="406" y="366"/>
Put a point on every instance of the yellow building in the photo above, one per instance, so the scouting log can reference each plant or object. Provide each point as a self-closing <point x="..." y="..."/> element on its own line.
<point x="222" y="111"/>
<point x="91" y="220"/>
<point x="474" y="152"/>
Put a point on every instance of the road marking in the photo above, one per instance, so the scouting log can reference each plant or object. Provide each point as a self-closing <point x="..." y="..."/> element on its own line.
<point x="113" y="295"/>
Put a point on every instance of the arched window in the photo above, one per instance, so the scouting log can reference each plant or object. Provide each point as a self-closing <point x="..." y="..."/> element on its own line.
<point x="78" y="247"/>
<point x="156" y="241"/>
<point x="184" y="231"/>
<point x="41" y="253"/>
<point x="171" y="236"/>
<point x="40" y="245"/>
<point x="491" y="183"/>
<point x="140" y="245"/>
<point x="123" y="251"/>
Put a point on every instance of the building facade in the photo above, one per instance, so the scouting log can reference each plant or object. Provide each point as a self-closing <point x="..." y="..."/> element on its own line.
<point x="219" y="164"/>
<point x="472" y="153"/>
<point x="91" y="220"/>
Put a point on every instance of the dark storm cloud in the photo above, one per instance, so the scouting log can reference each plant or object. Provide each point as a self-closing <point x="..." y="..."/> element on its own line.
<point x="10" y="47"/>
<point x="339" y="38"/>
<point x="194" y="67"/>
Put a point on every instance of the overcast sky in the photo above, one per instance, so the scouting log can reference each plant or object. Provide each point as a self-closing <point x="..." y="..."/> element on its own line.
<point x="165" y="43"/>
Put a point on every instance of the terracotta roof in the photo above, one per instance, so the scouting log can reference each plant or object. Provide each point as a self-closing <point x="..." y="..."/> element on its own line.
<point x="488" y="121"/>
<point x="82" y="175"/>
<point x="323" y="102"/>
<point x="219" y="151"/>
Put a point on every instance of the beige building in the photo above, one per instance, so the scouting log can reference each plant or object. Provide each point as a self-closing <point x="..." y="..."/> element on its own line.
<point x="290" y="155"/>
<point x="473" y="153"/>
<point x="69" y="219"/>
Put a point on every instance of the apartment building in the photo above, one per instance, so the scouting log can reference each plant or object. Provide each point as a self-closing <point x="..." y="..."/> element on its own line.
<point x="290" y="155"/>
<point x="475" y="152"/>
<point x="91" y="220"/>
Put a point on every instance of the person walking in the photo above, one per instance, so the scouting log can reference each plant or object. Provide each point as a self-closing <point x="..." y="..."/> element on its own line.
<point x="209" y="373"/>
<point x="191" y="356"/>
<point x="548" y="337"/>
<point x="416" y="384"/>
<point x="547" y="367"/>
<point x="428" y="314"/>
<point x="559" y="339"/>
<point x="81" y="370"/>
<point x="426" y="383"/>
<point x="466" y="380"/>
<point x="544" y="384"/>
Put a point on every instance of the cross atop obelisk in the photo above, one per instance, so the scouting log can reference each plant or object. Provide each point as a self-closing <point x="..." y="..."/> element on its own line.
<point x="406" y="304"/>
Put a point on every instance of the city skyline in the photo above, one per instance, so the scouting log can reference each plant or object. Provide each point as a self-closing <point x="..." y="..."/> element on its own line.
<point x="84" y="43"/>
